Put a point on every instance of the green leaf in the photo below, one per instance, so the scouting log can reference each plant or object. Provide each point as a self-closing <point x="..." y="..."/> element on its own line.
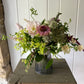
<point x="43" y="22"/>
<point x="49" y="63"/>
<point x="77" y="38"/>
<point x="58" y="15"/>
<point x="29" y="60"/>
<point x="70" y="20"/>
<point x="39" y="57"/>
<point x="4" y="37"/>
<point x="33" y="12"/>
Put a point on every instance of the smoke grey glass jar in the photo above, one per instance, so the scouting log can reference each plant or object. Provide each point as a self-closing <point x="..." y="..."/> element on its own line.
<point x="40" y="67"/>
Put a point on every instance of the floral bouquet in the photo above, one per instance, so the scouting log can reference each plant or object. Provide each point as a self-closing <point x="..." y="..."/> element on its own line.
<point x="40" y="37"/>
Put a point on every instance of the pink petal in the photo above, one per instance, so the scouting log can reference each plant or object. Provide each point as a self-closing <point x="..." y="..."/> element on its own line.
<point x="19" y="26"/>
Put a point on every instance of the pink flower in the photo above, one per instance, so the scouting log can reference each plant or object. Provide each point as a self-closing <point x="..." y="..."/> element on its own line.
<point x="19" y="26"/>
<point x="14" y="38"/>
<point x="43" y="30"/>
<point x="31" y="27"/>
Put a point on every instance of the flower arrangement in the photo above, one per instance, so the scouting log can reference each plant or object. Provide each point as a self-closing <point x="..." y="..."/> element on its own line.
<point x="49" y="35"/>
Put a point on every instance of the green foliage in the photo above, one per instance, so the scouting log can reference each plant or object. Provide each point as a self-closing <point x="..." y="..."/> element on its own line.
<point x="53" y="24"/>
<point x="75" y="48"/>
<point x="24" y="40"/>
<point x="70" y="20"/>
<point x="50" y="62"/>
<point x="33" y="12"/>
<point x="43" y="22"/>
<point x="58" y="15"/>
<point x="28" y="61"/>
<point x="39" y="57"/>
<point x="58" y="35"/>
<point x="4" y="37"/>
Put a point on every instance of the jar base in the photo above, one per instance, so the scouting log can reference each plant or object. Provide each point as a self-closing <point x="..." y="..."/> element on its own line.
<point x="44" y="71"/>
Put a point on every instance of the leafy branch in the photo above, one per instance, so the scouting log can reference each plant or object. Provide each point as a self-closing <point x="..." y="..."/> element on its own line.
<point x="33" y="12"/>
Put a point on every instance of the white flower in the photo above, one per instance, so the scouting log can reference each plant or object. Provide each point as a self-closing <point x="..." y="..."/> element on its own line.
<point x="80" y="47"/>
<point x="66" y="49"/>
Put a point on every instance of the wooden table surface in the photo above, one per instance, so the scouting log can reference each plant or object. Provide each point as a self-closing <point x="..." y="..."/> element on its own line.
<point x="61" y="74"/>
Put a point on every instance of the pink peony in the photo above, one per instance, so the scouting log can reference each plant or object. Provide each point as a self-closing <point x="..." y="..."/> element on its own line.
<point x="43" y="30"/>
<point x="31" y="27"/>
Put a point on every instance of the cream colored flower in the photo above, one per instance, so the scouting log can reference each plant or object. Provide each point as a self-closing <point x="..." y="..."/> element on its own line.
<point x="58" y="45"/>
<point x="73" y="40"/>
<point x="80" y="47"/>
<point x="66" y="49"/>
